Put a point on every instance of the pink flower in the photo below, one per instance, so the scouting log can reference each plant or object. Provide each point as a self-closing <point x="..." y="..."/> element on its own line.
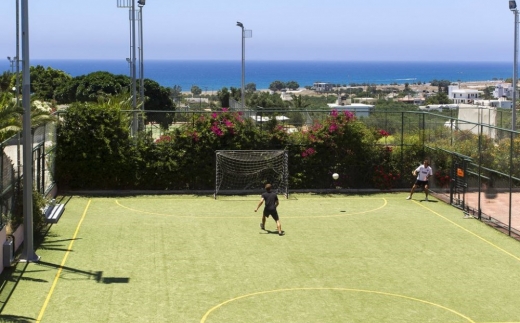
<point x="384" y="133"/>
<point x="164" y="138"/>
<point x="214" y="115"/>
<point x="216" y="130"/>
<point x="228" y="123"/>
<point x="348" y="114"/>
<point x="334" y="113"/>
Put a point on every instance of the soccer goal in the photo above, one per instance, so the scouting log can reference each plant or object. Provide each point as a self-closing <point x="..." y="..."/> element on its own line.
<point x="243" y="171"/>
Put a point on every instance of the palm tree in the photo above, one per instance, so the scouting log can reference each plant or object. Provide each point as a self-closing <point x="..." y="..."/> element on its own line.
<point x="299" y="103"/>
<point x="39" y="116"/>
<point x="10" y="117"/>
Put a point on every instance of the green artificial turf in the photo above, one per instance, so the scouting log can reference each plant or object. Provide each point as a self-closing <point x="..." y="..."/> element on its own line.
<point x="344" y="258"/>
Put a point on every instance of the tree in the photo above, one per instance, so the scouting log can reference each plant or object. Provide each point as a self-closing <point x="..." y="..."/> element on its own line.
<point x="10" y="117"/>
<point x="293" y="85"/>
<point x="277" y="86"/>
<point x="195" y="90"/>
<point x="439" y="98"/>
<point x="235" y="93"/>
<point x="223" y="97"/>
<point x="45" y="82"/>
<point x="158" y="100"/>
<point x="98" y="84"/>
<point x="488" y="92"/>
<point x="93" y="147"/>
<point x="6" y="81"/>
<point x="299" y="103"/>
<point x="250" y="87"/>
<point x="266" y="100"/>
<point x="176" y="93"/>
<point x="441" y="84"/>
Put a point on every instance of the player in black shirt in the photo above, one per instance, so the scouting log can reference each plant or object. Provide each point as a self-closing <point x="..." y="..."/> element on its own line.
<point x="271" y="203"/>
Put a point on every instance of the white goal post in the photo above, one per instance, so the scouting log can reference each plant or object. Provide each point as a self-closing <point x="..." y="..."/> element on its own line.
<point x="247" y="171"/>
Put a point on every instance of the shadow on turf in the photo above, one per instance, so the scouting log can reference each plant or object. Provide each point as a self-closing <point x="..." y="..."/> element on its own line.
<point x="16" y="318"/>
<point x="271" y="232"/>
<point x="96" y="275"/>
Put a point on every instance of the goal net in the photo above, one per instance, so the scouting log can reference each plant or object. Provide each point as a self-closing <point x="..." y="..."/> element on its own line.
<point x="240" y="171"/>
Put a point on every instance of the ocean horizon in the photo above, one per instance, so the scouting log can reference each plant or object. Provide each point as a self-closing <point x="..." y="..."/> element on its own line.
<point x="212" y="75"/>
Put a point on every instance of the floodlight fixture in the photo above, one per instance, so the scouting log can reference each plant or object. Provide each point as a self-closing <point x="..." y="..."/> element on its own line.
<point x="141" y="2"/>
<point x="512" y="5"/>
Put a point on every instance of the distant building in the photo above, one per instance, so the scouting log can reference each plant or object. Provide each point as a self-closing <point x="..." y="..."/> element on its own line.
<point x="358" y="109"/>
<point x="500" y="103"/>
<point x="465" y="96"/>
<point x="322" y="87"/>
<point x="412" y="100"/>
<point x="503" y="90"/>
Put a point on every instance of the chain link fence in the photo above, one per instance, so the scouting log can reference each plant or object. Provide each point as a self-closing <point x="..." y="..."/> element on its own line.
<point x="487" y="152"/>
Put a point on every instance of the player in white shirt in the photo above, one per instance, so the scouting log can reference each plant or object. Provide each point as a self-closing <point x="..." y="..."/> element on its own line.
<point x="423" y="173"/>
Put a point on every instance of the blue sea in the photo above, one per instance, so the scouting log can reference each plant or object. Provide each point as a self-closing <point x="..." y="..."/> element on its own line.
<point x="213" y="75"/>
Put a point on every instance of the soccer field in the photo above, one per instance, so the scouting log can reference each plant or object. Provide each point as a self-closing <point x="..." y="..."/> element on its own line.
<point x="344" y="258"/>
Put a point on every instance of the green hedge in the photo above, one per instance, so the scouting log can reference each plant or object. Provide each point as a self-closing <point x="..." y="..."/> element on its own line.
<point x="95" y="151"/>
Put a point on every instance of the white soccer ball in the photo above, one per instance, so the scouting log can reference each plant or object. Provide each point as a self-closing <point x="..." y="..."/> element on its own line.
<point x="335" y="175"/>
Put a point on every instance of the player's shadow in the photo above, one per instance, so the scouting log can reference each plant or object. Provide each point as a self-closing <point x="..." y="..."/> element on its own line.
<point x="269" y="232"/>
<point x="429" y="201"/>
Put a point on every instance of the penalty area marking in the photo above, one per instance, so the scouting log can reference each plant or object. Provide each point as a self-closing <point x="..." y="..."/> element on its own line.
<point x="343" y="213"/>
<point x="203" y="320"/>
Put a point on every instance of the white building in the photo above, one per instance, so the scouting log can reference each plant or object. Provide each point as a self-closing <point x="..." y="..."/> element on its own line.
<point x="322" y="87"/>
<point x="358" y="109"/>
<point x="464" y="96"/>
<point x="503" y="90"/>
<point x="500" y="103"/>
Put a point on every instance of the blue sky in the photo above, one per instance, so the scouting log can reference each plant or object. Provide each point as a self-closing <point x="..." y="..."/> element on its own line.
<point x="368" y="30"/>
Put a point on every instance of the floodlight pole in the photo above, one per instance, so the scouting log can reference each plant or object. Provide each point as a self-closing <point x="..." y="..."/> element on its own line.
<point x="17" y="50"/>
<point x="245" y="34"/>
<point x="239" y="24"/>
<point x="141" y="53"/>
<point x="28" y="254"/>
<point x="131" y="5"/>
<point x="514" y="9"/>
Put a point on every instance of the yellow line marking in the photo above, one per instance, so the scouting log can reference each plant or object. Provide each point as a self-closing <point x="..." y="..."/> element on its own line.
<point x="203" y="320"/>
<point x="470" y="232"/>
<point x="385" y="202"/>
<point x="55" y="282"/>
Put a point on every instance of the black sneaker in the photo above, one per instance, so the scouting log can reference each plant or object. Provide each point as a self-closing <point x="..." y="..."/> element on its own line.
<point x="262" y="226"/>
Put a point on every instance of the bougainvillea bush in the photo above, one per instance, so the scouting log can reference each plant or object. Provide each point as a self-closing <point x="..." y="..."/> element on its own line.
<point x="184" y="158"/>
<point x="340" y="144"/>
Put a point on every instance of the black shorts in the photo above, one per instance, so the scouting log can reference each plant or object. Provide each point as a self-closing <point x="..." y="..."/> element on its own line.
<point x="274" y="213"/>
<point x="421" y="183"/>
